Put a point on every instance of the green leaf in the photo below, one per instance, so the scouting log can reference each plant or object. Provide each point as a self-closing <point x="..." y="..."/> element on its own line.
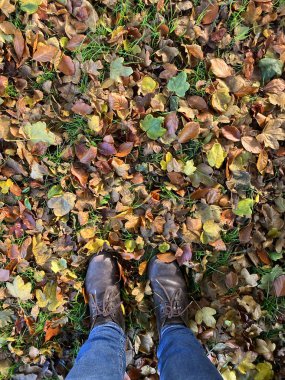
<point x="179" y="84"/>
<point x="268" y="278"/>
<point x="38" y="132"/>
<point x="118" y="70"/>
<point x="54" y="191"/>
<point x="274" y="256"/>
<point x="130" y="245"/>
<point x="163" y="247"/>
<point x="244" y="207"/>
<point x="30" y="6"/>
<point x="152" y="126"/>
<point x="270" y="67"/>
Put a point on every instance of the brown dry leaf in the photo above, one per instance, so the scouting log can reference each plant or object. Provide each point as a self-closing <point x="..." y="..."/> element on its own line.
<point x="166" y="257"/>
<point x="6" y="7"/>
<point x="124" y="149"/>
<point x="50" y="331"/>
<point x="19" y="44"/>
<point x="66" y="65"/>
<point x="272" y="133"/>
<point x="275" y="86"/>
<point x="279" y="286"/>
<point x="211" y="12"/>
<point x="262" y="161"/>
<point x="231" y="133"/>
<point x="62" y="204"/>
<point x="251" y="144"/>
<point x="45" y="53"/>
<point x="120" y="167"/>
<point x="220" y="68"/>
<point x="190" y="131"/>
<point x="118" y="102"/>
<point x="277" y="99"/>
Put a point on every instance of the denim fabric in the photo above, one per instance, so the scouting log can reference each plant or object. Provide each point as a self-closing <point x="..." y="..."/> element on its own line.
<point x="102" y="357"/>
<point x="180" y="356"/>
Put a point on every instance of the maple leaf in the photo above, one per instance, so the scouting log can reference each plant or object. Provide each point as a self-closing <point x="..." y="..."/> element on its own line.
<point x="152" y="126"/>
<point x="206" y="315"/>
<point x="19" y="289"/>
<point x="5" y="317"/>
<point x="38" y="132"/>
<point x="118" y="70"/>
<point x="272" y="132"/>
<point x="179" y="84"/>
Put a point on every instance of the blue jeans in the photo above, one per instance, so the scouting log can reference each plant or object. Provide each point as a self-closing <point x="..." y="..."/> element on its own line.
<point x="180" y="356"/>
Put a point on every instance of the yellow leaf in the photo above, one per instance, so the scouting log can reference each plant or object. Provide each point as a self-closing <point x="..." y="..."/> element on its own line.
<point x="221" y="100"/>
<point x="40" y="250"/>
<point x="58" y="265"/>
<point x="264" y="371"/>
<point x="216" y="155"/>
<point x="50" y="297"/>
<point x="148" y="85"/>
<point x="211" y="232"/>
<point x="142" y="267"/>
<point x="206" y="315"/>
<point x="245" y="365"/>
<point x="168" y="159"/>
<point x="94" y="123"/>
<point x="5" y="186"/>
<point x="229" y="375"/>
<point x="19" y="289"/>
<point x="189" y="167"/>
<point x="95" y="245"/>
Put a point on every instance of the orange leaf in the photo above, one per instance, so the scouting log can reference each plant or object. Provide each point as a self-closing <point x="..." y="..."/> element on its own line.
<point x="262" y="161"/>
<point x="142" y="267"/>
<point x="166" y="257"/>
<point x="45" y="53"/>
<point x="50" y="331"/>
<point x="190" y="131"/>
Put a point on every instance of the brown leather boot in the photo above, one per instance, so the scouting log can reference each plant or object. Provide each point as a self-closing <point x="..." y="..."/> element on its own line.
<point x="102" y="286"/>
<point x="170" y="293"/>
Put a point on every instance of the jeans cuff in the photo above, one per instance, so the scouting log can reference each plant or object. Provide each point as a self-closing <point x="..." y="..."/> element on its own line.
<point x="107" y="325"/>
<point x="172" y="327"/>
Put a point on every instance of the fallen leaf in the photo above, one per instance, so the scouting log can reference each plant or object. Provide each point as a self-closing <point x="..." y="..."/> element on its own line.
<point x="62" y="204"/>
<point x="190" y="131"/>
<point x="216" y="155"/>
<point x="244" y="207"/>
<point x="19" y="289"/>
<point x="166" y="257"/>
<point x="179" y="84"/>
<point x="38" y="132"/>
<point x="118" y="70"/>
<point x="279" y="286"/>
<point x="206" y="315"/>
<point x="152" y="126"/>
<point x="219" y="68"/>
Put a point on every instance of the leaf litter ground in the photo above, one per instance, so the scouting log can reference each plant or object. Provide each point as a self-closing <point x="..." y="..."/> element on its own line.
<point x="145" y="127"/>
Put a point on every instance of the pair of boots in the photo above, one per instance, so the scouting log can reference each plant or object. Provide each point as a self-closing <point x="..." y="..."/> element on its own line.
<point x="103" y="286"/>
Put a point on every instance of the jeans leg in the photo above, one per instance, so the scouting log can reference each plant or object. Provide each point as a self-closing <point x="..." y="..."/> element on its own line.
<point x="102" y="357"/>
<point x="181" y="356"/>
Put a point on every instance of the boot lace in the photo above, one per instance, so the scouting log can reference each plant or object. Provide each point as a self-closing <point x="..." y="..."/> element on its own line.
<point x="108" y="307"/>
<point x="172" y="306"/>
